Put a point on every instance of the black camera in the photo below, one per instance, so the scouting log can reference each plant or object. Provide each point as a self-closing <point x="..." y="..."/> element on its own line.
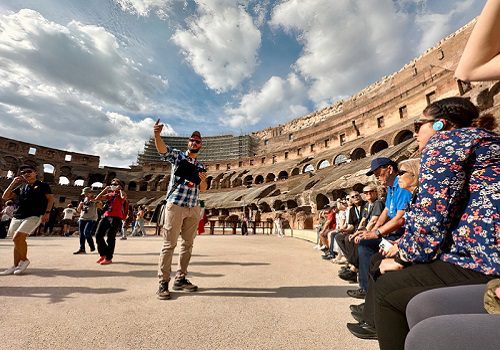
<point x="85" y="209"/>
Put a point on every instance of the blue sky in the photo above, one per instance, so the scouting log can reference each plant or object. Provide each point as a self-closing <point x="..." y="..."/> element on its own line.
<point x="92" y="76"/>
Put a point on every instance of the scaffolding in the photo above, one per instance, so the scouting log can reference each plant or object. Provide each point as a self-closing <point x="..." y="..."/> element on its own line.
<point x="222" y="147"/>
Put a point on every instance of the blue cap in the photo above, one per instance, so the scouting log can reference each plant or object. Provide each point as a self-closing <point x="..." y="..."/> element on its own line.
<point x="380" y="162"/>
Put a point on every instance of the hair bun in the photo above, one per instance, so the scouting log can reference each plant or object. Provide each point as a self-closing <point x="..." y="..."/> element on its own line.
<point x="485" y="121"/>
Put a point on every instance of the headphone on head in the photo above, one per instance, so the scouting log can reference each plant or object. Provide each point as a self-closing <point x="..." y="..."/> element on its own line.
<point x="438" y="125"/>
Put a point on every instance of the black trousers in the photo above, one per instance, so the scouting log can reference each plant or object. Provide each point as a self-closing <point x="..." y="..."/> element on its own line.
<point x="349" y="248"/>
<point x="108" y="226"/>
<point x="392" y="291"/>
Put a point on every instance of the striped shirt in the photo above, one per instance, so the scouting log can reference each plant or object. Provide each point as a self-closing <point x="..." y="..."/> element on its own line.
<point x="185" y="193"/>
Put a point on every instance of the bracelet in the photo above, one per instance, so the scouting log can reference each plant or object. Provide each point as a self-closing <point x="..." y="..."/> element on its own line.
<point x="400" y="261"/>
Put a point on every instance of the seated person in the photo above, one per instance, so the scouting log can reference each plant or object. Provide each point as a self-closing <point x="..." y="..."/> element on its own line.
<point x="450" y="230"/>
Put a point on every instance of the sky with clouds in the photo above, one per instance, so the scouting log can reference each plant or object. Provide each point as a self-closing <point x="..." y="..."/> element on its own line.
<point x="92" y="76"/>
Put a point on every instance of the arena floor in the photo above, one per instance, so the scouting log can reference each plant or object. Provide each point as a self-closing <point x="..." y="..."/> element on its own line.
<point x="256" y="292"/>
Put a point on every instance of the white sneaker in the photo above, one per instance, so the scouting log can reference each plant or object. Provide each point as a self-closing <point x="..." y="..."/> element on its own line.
<point x="23" y="265"/>
<point x="316" y="246"/>
<point x="9" y="271"/>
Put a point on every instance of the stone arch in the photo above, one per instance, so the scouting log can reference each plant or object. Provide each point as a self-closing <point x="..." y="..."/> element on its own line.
<point x="259" y="179"/>
<point x="358" y="153"/>
<point x="132" y="186"/>
<point x="217" y="180"/>
<point x="110" y="176"/>
<point x="264" y="207"/>
<point x="97" y="184"/>
<point x="209" y="181"/>
<point x="237" y="182"/>
<point x="283" y="175"/>
<point x="340" y="159"/>
<point x="143" y="186"/>
<point x="63" y="180"/>
<point x="270" y="177"/>
<point x="308" y="168"/>
<point x="378" y="146"/>
<point x="79" y="181"/>
<point x="295" y="171"/>
<point x="321" y="200"/>
<point x="402" y="136"/>
<point x="248" y="180"/>
<point x="48" y="172"/>
<point x="277" y="204"/>
<point x="155" y="181"/>
<point x="96" y="178"/>
<point x="339" y="194"/>
<point x="324" y="163"/>
<point x="291" y="204"/>
<point x="65" y="171"/>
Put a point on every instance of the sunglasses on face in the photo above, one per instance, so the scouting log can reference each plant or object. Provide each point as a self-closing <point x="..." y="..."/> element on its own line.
<point x="402" y="172"/>
<point x="115" y="184"/>
<point x="418" y="124"/>
<point x="25" y="172"/>
<point x="198" y="142"/>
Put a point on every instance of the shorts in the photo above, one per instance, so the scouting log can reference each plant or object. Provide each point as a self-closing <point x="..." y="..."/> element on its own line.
<point x="67" y="222"/>
<point x="26" y="225"/>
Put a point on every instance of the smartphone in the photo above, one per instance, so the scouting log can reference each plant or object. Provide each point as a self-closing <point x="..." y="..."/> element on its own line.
<point x="158" y="122"/>
<point x="385" y="245"/>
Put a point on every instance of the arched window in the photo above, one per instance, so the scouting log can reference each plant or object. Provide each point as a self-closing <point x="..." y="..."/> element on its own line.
<point x="358" y="153"/>
<point x="340" y="159"/>
<point x="63" y="180"/>
<point x="308" y="168"/>
<point x="323" y="164"/>
<point x="379" y="146"/>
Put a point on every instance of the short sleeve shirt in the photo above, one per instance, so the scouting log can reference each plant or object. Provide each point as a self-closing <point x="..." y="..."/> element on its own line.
<point x="32" y="199"/>
<point x="397" y="199"/>
<point x="373" y="209"/>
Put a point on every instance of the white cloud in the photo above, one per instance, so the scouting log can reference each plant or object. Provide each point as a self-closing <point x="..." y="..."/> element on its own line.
<point x="61" y="86"/>
<point x="220" y="44"/>
<point x="345" y="42"/>
<point x="144" y="7"/>
<point x="279" y="100"/>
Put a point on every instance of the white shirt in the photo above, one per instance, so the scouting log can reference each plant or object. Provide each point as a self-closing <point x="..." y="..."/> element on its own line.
<point x="68" y="213"/>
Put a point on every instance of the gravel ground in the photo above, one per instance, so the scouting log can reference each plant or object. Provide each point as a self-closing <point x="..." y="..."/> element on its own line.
<point x="255" y="292"/>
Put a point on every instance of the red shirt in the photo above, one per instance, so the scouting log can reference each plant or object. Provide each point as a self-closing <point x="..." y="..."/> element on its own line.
<point x="115" y="205"/>
<point x="331" y="218"/>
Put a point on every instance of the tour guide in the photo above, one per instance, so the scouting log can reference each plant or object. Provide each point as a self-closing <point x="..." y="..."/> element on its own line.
<point x="182" y="211"/>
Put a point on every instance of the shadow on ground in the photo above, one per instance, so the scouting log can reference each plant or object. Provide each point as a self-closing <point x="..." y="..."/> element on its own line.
<point x="280" y="292"/>
<point x="50" y="273"/>
<point x="55" y="294"/>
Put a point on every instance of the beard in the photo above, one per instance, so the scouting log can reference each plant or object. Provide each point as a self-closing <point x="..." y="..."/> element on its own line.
<point x="193" y="150"/>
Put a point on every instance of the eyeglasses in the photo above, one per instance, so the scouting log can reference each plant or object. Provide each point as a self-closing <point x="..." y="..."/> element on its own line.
<point x="198" y="142"/>
<point x="418" y="124"/>
<point x="24" y="172"/>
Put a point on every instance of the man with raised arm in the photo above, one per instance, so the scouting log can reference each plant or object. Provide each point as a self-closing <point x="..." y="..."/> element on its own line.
<point x="182" y="210"/>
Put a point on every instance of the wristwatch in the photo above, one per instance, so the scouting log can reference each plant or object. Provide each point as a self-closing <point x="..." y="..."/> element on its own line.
<point x="378" y="233"/>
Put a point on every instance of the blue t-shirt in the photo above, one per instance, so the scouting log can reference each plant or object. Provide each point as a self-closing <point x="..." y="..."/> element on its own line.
<point x="397" y="198"/>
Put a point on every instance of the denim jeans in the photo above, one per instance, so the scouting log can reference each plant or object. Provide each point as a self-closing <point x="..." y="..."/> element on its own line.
<point x="85" y="228"/>
<point x="139" y="226"/>
<point x="366" y="249"/>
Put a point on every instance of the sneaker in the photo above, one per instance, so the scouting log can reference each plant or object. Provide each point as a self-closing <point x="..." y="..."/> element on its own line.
<point x="79" y="251"/>
<point x="9" y="271"/>
<point x="123" y="238"/>
<point x="357" y="308"/>
<point x="184" y="284"/>
<point x="349" y="276"/>
<point x="21" y="267"/>
<point x="101" y="259"/>
<point x="357" y="293"/>
<point x="327" y="257"/>
<point x="163" y="293"/>
<point x="316" y="246"/>
<point x="106" y="262"/>
<point x="92" y="249"/>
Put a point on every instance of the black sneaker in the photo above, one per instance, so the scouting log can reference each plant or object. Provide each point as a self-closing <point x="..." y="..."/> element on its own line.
<point x="357" y="293"/>
<point x="184" y="284"/>
<point x="357" y="308"/>
<point x="163" y="293"/>
<point x="349" y="276"/>
<point x="79" y="251"/>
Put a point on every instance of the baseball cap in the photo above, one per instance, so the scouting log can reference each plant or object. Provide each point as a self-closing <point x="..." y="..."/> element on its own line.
<point x="380" y="162"/>
<point x="196" y="135"/>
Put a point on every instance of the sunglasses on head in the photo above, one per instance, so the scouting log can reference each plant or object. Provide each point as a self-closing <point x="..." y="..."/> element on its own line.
<point x="198" y="142"/>
<point x="418" y="124"/>
<point x="29" y="171"/>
